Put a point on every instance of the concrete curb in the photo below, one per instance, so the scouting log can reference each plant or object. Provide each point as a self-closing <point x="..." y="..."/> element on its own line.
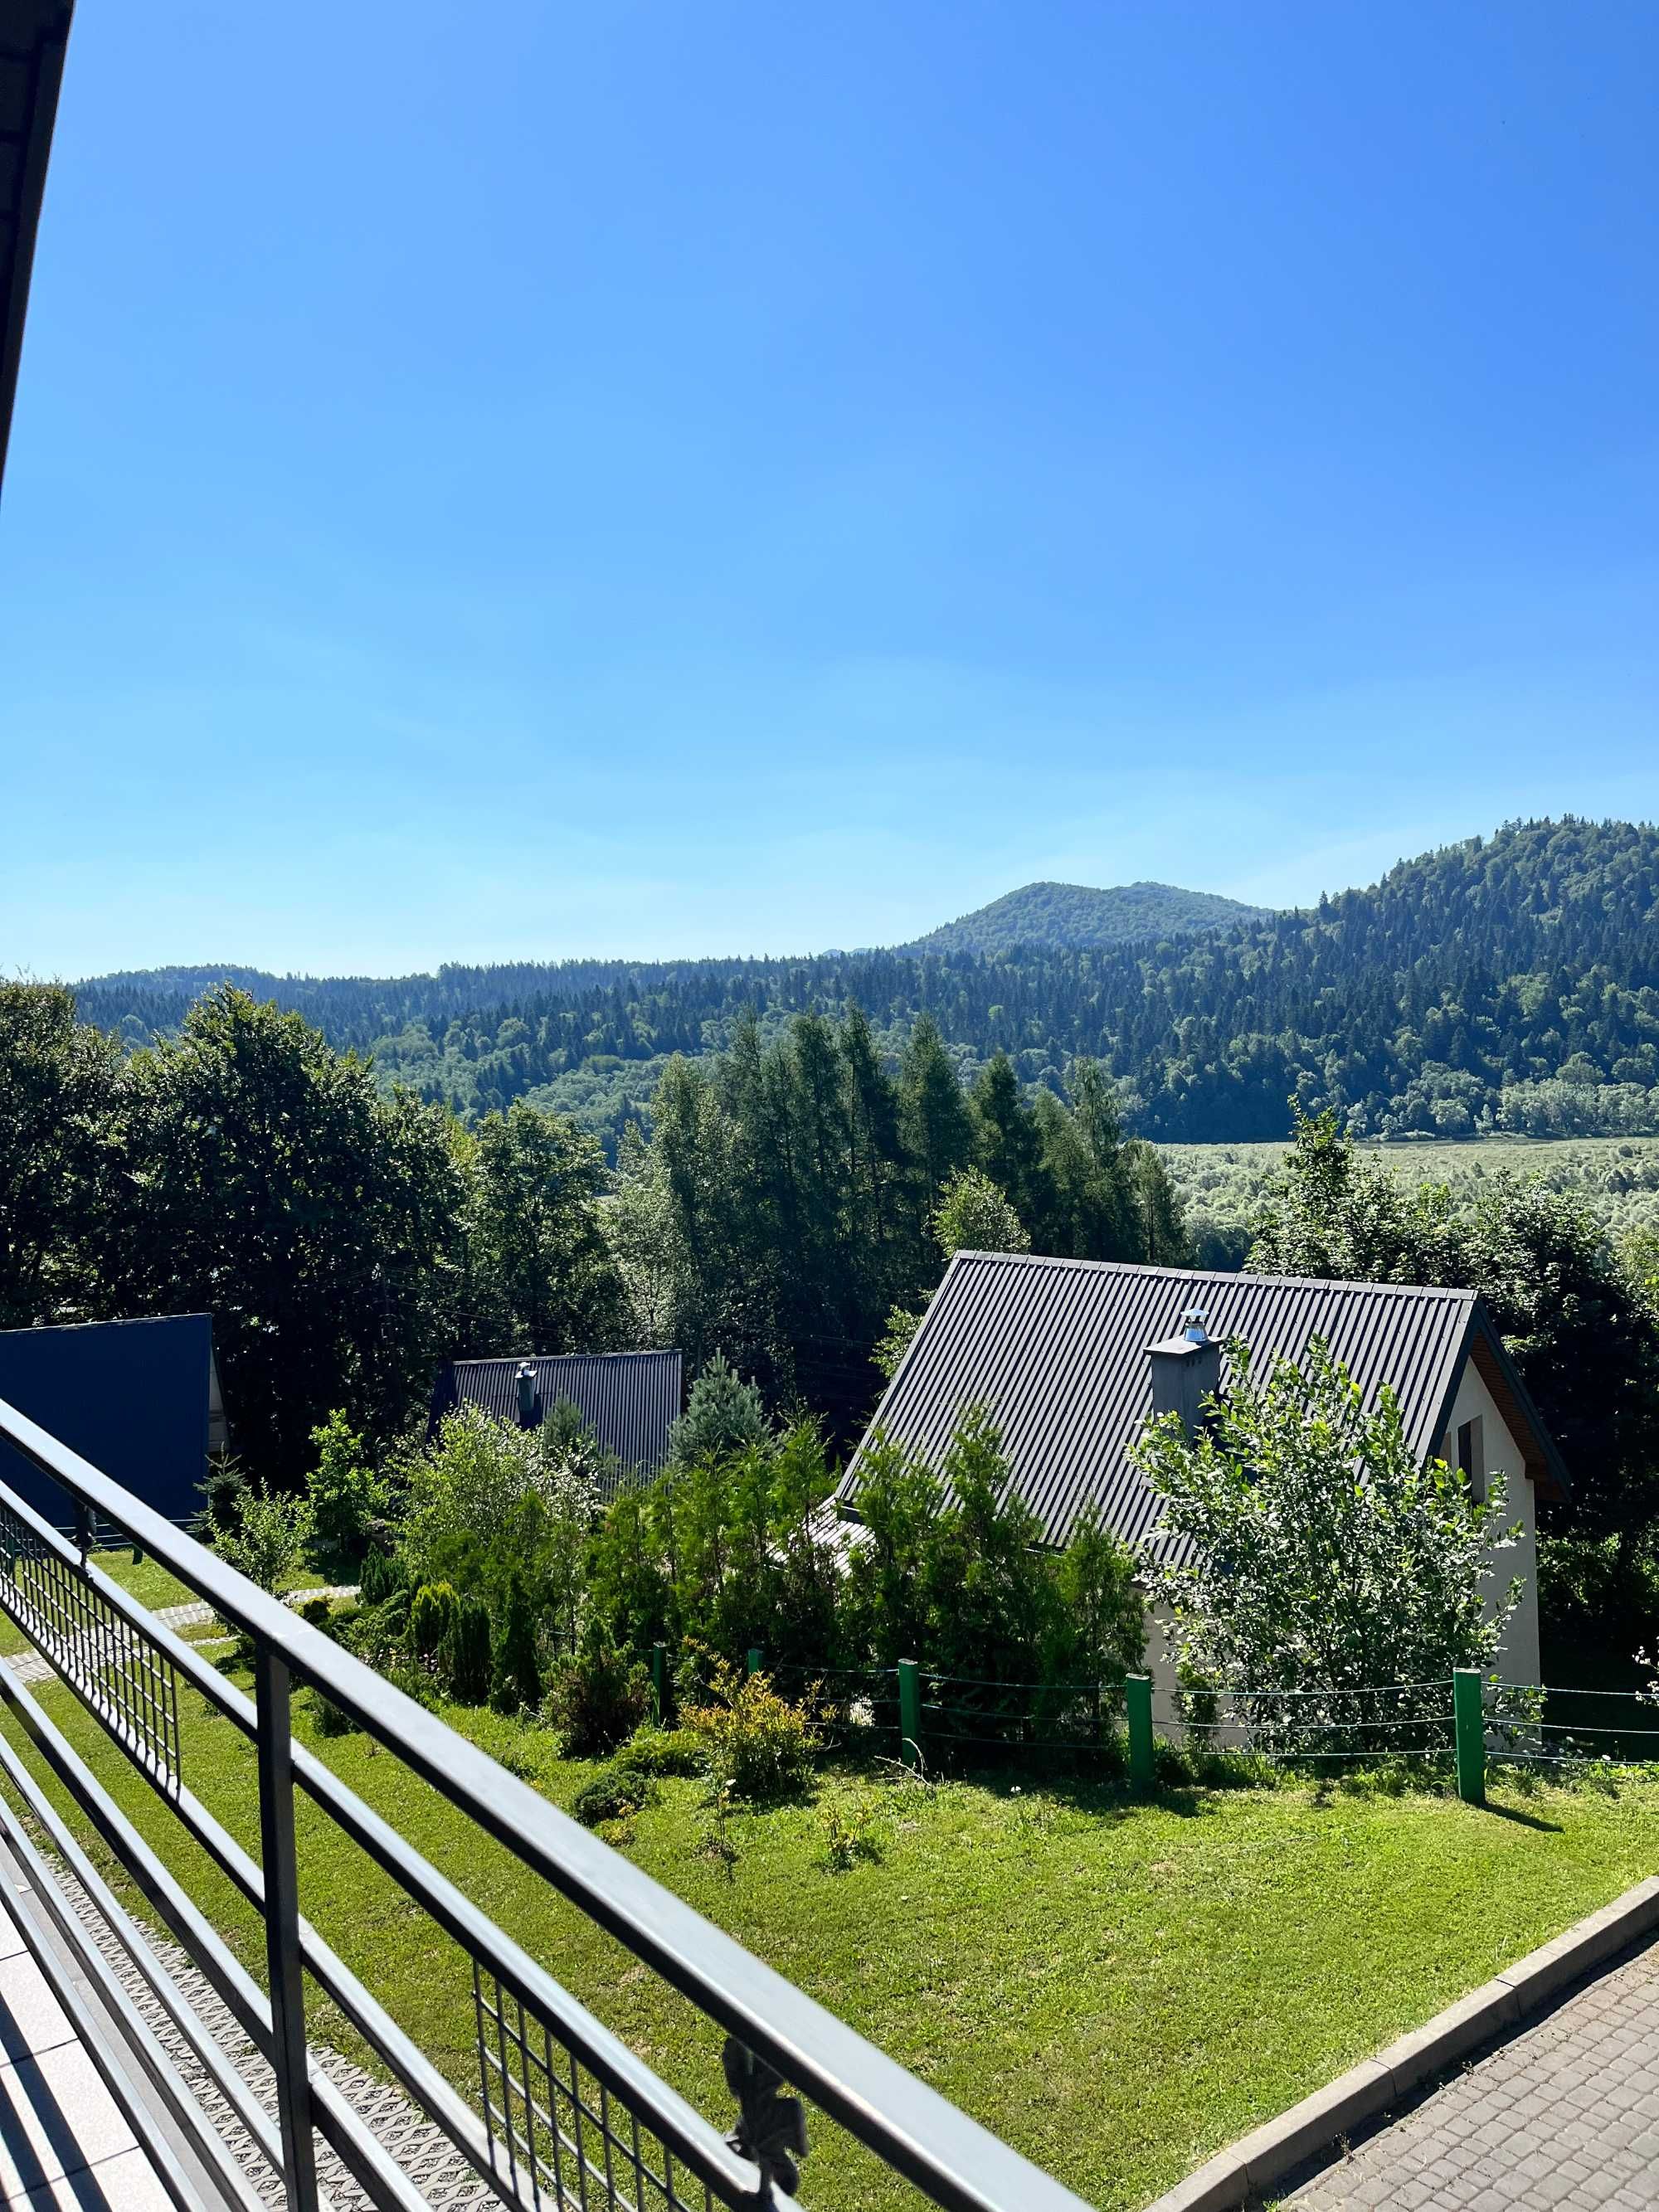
<point x="1257" y="2161"/>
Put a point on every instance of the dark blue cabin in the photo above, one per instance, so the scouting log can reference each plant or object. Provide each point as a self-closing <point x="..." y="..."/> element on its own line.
<point x="139" y="1399"/>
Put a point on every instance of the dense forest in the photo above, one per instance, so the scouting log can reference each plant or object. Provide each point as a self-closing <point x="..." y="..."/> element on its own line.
<point x="1507" y="983"/>
<point x="795" y="1204"/>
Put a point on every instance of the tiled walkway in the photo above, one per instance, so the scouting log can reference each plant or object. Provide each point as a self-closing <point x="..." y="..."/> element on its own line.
<point x="63" y="2142"/>
<point x="1565" y="2116"/>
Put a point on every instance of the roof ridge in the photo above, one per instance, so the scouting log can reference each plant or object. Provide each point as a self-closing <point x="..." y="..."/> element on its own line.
<point x="513" y="1358"/>
<point x="1220" y="1274"/>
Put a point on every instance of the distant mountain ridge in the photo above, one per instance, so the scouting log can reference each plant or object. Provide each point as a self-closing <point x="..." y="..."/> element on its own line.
<point x="1507" y="983"/>
<point x="1072" y="915"/>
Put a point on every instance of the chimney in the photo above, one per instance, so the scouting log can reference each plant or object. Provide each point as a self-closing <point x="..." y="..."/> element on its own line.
<point x="1186" y="1369"/>
<point x="526" y="1381"/>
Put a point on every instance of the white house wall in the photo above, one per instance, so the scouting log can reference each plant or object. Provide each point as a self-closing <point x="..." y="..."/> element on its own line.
<point x="1519" y="1659"/>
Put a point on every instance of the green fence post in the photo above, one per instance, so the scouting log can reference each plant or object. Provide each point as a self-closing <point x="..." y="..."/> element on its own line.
<point x="909" y="1690"/>
<point x="1138" y="1706"/>
<point x="1469" y="1716"/>
<point x="754" y="1660"/>
<point x="658" y="1682"/>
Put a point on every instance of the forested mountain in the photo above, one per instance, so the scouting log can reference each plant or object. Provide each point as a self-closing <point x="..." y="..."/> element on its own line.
<point x="1510" y="982"/>
<point x="1072" y="915"/>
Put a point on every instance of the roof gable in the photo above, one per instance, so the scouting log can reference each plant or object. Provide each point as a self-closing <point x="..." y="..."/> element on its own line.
<point x="1057" y="1350"/>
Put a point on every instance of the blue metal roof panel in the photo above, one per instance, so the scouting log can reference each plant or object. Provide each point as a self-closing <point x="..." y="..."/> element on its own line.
<point x="132" y="1396"/>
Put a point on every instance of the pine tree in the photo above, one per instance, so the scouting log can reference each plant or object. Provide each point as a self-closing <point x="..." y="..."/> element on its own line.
<point x="515" y="1673"/>
<point x="465" y="1658"/>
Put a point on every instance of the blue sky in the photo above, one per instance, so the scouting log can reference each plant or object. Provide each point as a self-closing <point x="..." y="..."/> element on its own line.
<point x="682" y="477"/>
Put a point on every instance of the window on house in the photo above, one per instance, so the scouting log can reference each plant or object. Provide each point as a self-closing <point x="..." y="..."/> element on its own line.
<point x="1471" y="1454"/>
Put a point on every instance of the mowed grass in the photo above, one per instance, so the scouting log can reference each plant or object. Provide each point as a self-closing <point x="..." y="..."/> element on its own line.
<point x="1116" y="1988"/>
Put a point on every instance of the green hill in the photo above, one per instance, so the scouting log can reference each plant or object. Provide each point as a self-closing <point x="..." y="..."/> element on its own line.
<point x="1074" y="916"/>
<point x="1507" y="984"/>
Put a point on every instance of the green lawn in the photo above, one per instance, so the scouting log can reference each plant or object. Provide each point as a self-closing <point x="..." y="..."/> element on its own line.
<point x="1118" y="1989"/>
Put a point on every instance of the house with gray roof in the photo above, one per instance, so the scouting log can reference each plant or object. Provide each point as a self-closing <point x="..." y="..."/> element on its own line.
<point x="631" y="1400"/>
<point x="1073" y="1357"/>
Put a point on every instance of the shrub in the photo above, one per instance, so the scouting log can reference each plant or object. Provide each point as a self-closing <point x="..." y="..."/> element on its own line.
<point x="382" y="1574"/>
<point x="378" y="1633"/>
<point x="760" y="1747"/>
<point x="348" y="1496"/>
<point x="316" y="1610"/>
<point x="431" y="1614"/>
<point x="222" y="1493"/>
<point x="270" y="1538"/>
<point x="331" y="1719"/>
<point x="515" y="1673"/>
<point x="851" y="1833"/>
<point x="664" y="1751"/>
<point x="615" y="1791"/>
<point x="1319" y="1554"/>
<point x="463" y="1659"/>
<point x="488" y="1502"/>
<point x="723" y="1415"/>
<point x="598" y="1697"/>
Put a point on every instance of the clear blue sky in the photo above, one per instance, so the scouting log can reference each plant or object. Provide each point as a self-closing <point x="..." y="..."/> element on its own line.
<point x="684" y="477"/>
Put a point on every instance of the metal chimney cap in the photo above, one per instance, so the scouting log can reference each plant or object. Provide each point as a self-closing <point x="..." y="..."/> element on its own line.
<point x="1192" y="1324"/>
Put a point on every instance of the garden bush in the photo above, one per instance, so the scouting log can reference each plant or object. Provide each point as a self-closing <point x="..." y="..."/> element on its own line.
<point x="488" y="1505"/>
<point x="615" y="1791"/>
<point x="464" y="1657"/>
<point x="270" y="1537"/>
<point x="598" y="1697"/>
<point x="664" y="1751"/>
<point x="431" y="1614"/>
<point x="761" y="1748"/>
<point x="348" y="1495"/>
<point x="382" y="1573"/>
<point x="515" y="1672"/>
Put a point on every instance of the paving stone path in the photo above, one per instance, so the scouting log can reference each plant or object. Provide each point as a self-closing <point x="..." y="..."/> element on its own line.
<point x="1566" y="2115"/>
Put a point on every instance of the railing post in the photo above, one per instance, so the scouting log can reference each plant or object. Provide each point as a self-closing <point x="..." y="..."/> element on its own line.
<point x="288" y="2002"/>
<point x="1468" y="1714"/>
<point x="659" y="1683"/>
<point x="754" y="1660"/>
<point x="1138" y="1709"/>
<point x="909" y="1696"/>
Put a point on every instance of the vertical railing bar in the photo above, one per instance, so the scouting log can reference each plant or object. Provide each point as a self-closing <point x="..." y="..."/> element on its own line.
<point x="521" y="2038"/>
<point x="576" y="2125"/>
<point x="639" y="2164"/>
<point x="605" y="2131"/>
<point x="288" y="2020"/>
<point x="507" y="2088"/>
<point x="553" y="2107"/>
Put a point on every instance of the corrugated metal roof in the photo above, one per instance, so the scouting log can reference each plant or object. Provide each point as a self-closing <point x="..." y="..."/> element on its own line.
<point x="1057" y="1350"/>
<point x="631" y="1400"/>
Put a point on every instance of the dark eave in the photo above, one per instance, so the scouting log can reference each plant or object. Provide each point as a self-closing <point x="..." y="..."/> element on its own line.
<point x="1491" y="1359"/>
<point x="34" y="34"/>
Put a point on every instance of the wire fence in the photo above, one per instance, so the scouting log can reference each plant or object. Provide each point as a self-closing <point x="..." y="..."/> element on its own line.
<point x="964" y="1721"/>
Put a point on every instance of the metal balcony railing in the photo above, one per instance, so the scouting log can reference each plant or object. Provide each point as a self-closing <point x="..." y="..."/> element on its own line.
<point x="561" y="2112"/>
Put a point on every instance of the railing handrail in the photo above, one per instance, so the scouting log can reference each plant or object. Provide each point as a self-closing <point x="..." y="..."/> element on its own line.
<point x="920" y="2133"/>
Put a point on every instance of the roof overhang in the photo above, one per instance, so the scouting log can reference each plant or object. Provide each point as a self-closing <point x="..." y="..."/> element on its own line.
<point x="34" y="34"/>
<point x="1487" y="1351"/>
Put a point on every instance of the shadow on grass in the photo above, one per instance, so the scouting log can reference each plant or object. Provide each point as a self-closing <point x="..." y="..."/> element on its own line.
<point x="1523" y="1819"/>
